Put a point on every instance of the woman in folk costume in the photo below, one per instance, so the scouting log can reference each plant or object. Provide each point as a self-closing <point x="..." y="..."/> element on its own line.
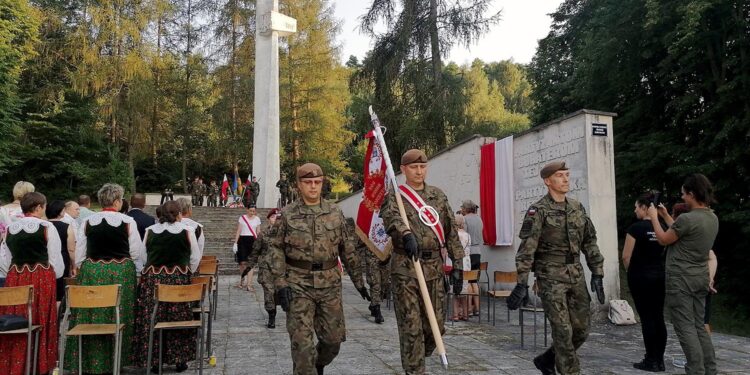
<point x="30" y="255"/>
<point x="109" y="251"/>
<point x="172" y="254"/>
<point x="247" y="232"/>
<point x="12" y="211"/>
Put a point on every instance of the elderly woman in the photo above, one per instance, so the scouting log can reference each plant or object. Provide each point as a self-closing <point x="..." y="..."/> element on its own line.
<point x="109" y="251"/>
<point x="12" y="211"/>
<point x="55" y="213"/>
<point x="172" y="254"/>
<point x="31" y="256"/>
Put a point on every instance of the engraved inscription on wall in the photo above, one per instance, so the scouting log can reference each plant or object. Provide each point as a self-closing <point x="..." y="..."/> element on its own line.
<point x="532" y="151"/>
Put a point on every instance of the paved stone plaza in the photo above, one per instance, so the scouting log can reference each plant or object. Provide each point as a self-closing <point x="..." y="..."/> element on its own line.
<point x="243" y="345"/>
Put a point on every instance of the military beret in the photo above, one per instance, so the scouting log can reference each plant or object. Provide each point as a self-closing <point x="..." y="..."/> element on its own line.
<point x="309" y="170"/>
<point x="413" y="156"/>
<point x="551" y="168"/>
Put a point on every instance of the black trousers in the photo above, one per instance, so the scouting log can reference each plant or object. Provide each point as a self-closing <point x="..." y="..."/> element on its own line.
<point x="647" y="288"/>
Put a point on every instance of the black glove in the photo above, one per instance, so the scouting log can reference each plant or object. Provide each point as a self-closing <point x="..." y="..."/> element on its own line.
<point x="284" y="296"/>
<point x="597" y="285"/>
<point x="410" y="246"/>
<point x="516" y="298"/>
<point x="457" y="276"/>
<point x="363" y="292"/>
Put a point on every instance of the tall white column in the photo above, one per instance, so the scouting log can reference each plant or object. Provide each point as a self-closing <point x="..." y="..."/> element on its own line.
<point x="266" y="157"/>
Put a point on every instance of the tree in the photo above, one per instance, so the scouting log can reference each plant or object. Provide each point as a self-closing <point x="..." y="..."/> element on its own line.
<point x="18" y="33"/>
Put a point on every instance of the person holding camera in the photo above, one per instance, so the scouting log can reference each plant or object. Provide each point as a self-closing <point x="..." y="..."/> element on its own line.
<point x="689" y="240"/>
<point x="643" y="258"/>
<point x="555" y="231"/>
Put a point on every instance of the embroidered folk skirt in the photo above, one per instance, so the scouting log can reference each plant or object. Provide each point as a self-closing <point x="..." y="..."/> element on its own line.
<point x="179" y="345"/>
<point x="99" y="350"/>
<point x="44" y="313"/>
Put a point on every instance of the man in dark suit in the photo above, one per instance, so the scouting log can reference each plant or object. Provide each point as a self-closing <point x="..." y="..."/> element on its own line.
<point x="142" y="219"/>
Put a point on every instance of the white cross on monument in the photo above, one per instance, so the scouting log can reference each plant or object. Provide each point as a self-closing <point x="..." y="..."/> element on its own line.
<point x="266" y="158"/>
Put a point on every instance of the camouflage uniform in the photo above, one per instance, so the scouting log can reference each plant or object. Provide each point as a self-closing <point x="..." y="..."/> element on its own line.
<point x="213" y="193"/>
<point x="553" y="237"/>
<point x="283" y="186"/>
<point x="378" y="272"/>
<point x="254" y="191"/>
<point x="415" y="335"/>
<point x="261" y="256"/>
<point x="304" y="257"/>
<point x="196" y="188"/>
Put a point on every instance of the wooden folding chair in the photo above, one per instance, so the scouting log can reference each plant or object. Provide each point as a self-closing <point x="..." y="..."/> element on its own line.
<point x="211" y="268"/>
<point x="468" y="276"/>
<point x="500" y="277"/>
<point x="91" y="297"/>
<point x="23" y="295"/>
<point x="177" y="294"/>
<point x="206" y="281"/>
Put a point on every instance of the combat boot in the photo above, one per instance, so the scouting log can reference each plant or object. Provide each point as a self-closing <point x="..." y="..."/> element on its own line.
<point x="545" y="362"/>
<point x="271" y="318"/>
<point x="375" y="309"/>
<point x="320" y="369"/>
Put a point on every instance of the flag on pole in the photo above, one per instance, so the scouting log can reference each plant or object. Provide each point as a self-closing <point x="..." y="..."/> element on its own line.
<point x="235" y="183"/>
<point x="224" y="187"/>
<point x="370" y="226"/>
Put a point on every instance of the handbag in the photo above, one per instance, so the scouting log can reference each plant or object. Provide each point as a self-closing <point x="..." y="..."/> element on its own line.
<point x="620" y="312"/>
<point x="12" y="322"/>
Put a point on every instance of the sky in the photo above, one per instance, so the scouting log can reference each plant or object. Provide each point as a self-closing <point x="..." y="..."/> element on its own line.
<point x="515" y="37"/>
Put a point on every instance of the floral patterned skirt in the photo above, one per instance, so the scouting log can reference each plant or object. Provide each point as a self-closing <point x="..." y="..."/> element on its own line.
<point x="44" y="311"/>
<point x="98" y="350"/>
<point x="179" y="345"/>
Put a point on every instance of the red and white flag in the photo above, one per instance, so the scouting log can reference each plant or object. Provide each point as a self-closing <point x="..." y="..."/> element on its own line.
<point x="496" y="192"/>
<point x="224" y="187"/>
<point x="370" y="226"/>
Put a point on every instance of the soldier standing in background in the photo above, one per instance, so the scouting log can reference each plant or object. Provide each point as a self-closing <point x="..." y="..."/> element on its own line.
<point x="425" y="243"/>
<point x="255" y="190"/>
<point x="195" y="191"/>
<point x="378" y="272"/>
<point x="310" y="237"/>
<point x="555" y="231"/>
<point x="283" y="186"/>
<point x="213" y="193"/>
<point x="204" y="192"/>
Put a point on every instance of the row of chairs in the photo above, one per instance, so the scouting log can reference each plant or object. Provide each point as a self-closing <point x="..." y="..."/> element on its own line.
<point x="202" y="287"/>
<point x="502" y="286"/>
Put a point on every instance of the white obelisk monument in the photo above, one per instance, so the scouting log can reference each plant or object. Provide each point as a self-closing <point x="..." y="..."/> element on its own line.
<point x="266" y="159"/>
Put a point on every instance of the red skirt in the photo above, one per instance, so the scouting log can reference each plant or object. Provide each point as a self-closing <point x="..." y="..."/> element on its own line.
<point x="44" y="310"/>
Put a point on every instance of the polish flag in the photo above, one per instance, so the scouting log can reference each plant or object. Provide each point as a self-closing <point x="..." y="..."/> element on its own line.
<point x="370" y="226"/>
<point x="224" y="187"/>
<point x="496" y="192"/>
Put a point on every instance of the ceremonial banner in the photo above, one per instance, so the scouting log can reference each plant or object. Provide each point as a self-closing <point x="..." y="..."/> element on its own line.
<point x="496" y="192"/>
<point x="224" y="187"/>
<point x="370" y="226"/>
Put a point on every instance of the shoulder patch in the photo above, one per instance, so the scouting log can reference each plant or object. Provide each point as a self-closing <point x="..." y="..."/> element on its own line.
<point x="531" y="211"/>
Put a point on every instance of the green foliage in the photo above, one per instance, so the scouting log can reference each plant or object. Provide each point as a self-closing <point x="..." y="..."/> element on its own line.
<point x="678" y="75"/>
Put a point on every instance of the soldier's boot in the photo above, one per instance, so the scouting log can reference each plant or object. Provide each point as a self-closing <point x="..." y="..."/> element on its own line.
<point x="375" y="309"/>
<point x="545" y="362"/>
<point x="372" y="310"/>
<point x="271" y="318"/>
<point x="320" y="369"/>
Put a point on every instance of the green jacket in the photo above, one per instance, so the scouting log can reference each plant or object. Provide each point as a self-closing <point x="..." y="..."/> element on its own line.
<point x="552" y="240"/>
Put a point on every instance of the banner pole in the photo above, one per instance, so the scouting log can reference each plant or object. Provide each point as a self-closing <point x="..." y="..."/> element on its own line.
<point x="417" y="265"/>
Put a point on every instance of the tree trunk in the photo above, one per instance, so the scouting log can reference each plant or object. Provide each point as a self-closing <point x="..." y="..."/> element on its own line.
<point x="437" y="76"/>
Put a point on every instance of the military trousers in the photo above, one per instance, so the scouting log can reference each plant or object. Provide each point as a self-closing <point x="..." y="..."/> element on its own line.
<point x="415" y="334"/>
<point x="378" y="277"/>
<point x="686" y="302"/>
<point x="269" y="291"/>
<point x="569" y="314"/>
<point x="319" y="312"/>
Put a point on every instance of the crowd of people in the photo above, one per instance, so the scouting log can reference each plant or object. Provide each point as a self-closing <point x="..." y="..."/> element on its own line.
<point x="45" y="242"/>
<point x="300" y="252"/>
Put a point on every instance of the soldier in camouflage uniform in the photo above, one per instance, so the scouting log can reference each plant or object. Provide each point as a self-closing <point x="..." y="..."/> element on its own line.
<point x="420" y="242"/>
<point x="283" y="186"/>
<point x="377" y="272"/>
<point x="555" y="231"/>
<point x="311" y="234"/>
<point x="213" y="193"/>
<point x="261" y="256"/>
<point x="255" y="190"/>
<point x="195" y="191"/>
